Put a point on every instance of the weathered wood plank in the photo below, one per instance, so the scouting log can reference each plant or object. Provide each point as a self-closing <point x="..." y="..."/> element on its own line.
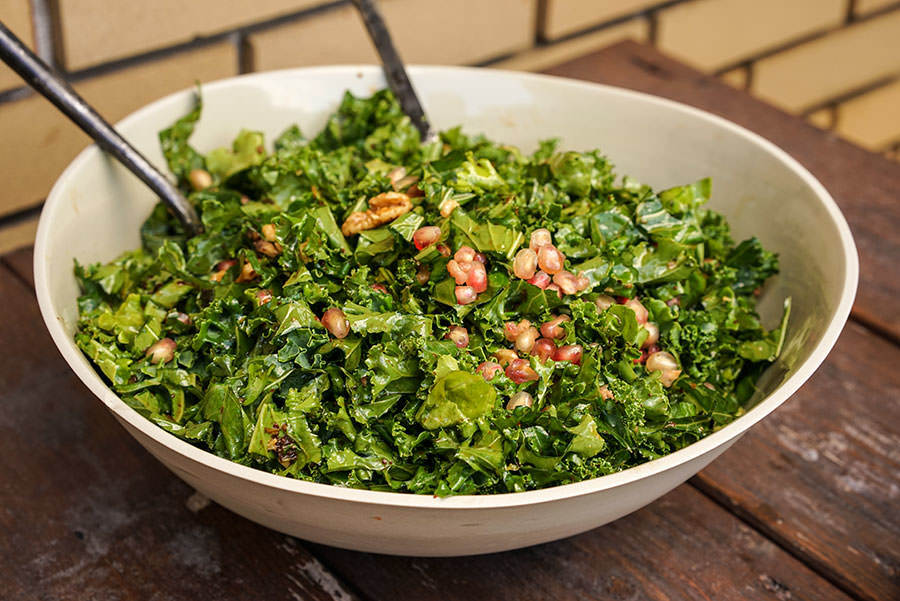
<point x="864" y="184"/>
<point x="822" y="475"/>
<point x="86" y="513"/>
<point x="682" y="547"/>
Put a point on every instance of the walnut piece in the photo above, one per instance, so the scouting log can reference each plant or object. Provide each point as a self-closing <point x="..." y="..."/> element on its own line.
<point x="383" y="208"/>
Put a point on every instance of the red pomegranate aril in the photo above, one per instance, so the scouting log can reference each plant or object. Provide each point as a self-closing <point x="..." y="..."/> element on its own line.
<point x="480" y="258"/>
<point x="525" y="264"/>
<point x="443" y="249"/>
<point x="263" y="296"/>
<point x="477" y="277"/>
<point x="512" y="329"/>
<point x="673" y="301"/>
<point x="465" y="253"/>
<point x="582" y="282"/>
<point x="336" y="322"/>
<point x="465" y="295"/>
<point x="554" y="288"/>
<point x="456" y="271"/>
<point x="539" y="237"/>
<point x="459" y="335"/>
<point x="543" y="349"/>
<point x="566" y="282"/>
<point x="541" y="280"/>
<point x="426" y="236"/>
<point x="380" y="288"/>
<point x="526" y="339"/>
<point x="652" y="334"/>
<point x="161" y="351"/>
<point x="520" y="399"/>
<point x="182" y="317"/>
<point x="519" y="371"/>
<point x="550" y="260"/>
<point x="640" y="312"/>
<point x="489" y="369"/>
<point x="604" y="302"/>
<point x="553" y="329"/>
<point x="505" y="356"/>
<point x="570" y="352"/>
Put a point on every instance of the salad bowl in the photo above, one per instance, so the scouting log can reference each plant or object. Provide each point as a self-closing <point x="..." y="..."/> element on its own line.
<point x="96" y="208"/>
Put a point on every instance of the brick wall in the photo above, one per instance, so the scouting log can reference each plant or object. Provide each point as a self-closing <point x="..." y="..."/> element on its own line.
<point x="835" y="62"/>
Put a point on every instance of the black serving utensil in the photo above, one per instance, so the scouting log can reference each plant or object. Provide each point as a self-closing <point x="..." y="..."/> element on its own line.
<point x="394" y="70"/>
<point x="54" y="88"/>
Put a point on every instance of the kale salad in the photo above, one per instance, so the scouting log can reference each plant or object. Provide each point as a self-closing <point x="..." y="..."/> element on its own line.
<point x="457" y="317"/>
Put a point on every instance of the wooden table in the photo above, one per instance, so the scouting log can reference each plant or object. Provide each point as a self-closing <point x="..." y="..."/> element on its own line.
<point x="805" y="506"/>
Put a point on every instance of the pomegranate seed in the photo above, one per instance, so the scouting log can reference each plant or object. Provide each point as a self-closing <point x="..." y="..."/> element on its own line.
<point x="673" y="301"/>
<point x="664" y="363"/>
<point x="554" y="288"/>
<point x="543" y="349"/>
<point x="512" y="329"/>
<point x="526" y="339"/>
<point x="268" y="231"/>
<point x="161" y="351"/>
<point x="481" y="258"/>
<point x="336" y="322"/>
<point x="465" y="295"/>
<point x="426" y="236"/>
<point x="525" y="264"/>
<point x="181" y="317"/>
<point x="465" y="253"/>
<point x="519" y="371"/>
<point x="550" y="259"/>
<point x="569" y="352"/>
<point x="604" y="302"/>
<point x="552" y="328"/>
<point x="423" y="274"/>
<point x="520" y="399"/>
<point x="263" y="296"/>
<point x="459" y="335"/>
<point x="566" y="282"/>
<point x="652" y="334"/>
<point x="477" y="277"/>
<point x="505" y="356"/>
<point x="489" y="369"/>
<point x="539" y="237"/>
<point x="456" y="271"/>
<point x="640" y="312"/>
<point x="443" y="249"/>
<point x="380" y="288"/>
<point x="582" y="282"/>
<point x="541" y="280"/>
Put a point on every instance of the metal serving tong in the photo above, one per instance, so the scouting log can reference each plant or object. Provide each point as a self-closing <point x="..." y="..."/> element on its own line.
<point x="54" y="88"/>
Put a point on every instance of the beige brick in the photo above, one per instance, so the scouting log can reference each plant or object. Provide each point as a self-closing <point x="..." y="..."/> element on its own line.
<point x="562" y="17"/>
<point x="41" y="142"/>
<point x="560" y="52"/>
<point x="426" y="31"/>
<point x="864" y="7"/>
<point x="822" y="118"/>
<point x="711" y="34"/>
<point x="737" y="78"/>
<point x="18" y="235"/>
<point x="872" y="120"/>
<point x="15" y="14"/>
<point x="96" y="31"/>
<point x="835" y="64"/>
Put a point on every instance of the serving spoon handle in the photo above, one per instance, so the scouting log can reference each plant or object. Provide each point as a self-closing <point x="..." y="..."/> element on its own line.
<point x="394" y="70"/>
<point x="54" y="88"/>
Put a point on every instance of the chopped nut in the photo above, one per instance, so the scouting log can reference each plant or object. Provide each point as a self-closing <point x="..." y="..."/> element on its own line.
<point x="270" y="249"/>
<point x="447" y="206"/>
<point x="247" y="273"/>
<point x="383" y="208"/>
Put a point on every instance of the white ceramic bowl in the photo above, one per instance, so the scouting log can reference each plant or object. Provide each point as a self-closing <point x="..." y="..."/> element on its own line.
<point x="96" y="208"/>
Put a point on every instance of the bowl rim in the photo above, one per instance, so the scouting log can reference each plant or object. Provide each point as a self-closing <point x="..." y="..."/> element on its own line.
<point x="250" y="475"/>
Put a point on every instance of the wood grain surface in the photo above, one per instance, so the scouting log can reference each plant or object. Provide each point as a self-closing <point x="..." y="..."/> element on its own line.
<point x="866" y="186"/>
<point x="805" y="506"/>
